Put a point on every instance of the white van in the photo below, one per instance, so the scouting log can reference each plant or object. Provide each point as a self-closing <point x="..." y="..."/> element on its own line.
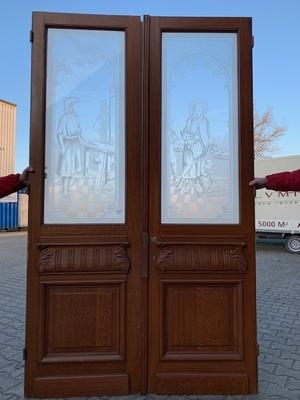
<point x="277" y="214"/>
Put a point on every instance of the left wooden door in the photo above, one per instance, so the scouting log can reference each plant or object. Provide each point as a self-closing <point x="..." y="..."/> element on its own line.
<point x="84" y="300"/>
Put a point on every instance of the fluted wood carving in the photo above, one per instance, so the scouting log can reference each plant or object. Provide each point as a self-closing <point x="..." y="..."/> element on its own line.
<point x="108" y="258"/>
<point x="218" y="257"/>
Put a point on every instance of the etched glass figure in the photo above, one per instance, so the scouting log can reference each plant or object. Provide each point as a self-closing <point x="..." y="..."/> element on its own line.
<point x="199" y="129"/>
<point x="70" y="141"/>
<point x="85" y="127"/>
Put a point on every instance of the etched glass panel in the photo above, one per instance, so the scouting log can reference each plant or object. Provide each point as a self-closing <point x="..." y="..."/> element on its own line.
<point x="199" y="129"/>
<point x="85" y="127"/>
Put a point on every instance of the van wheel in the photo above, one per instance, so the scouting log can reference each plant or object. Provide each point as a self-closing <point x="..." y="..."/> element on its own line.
<point x="292" y="244"/>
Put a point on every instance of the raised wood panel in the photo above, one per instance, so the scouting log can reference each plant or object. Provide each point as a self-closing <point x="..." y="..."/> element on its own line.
<point x="201" y="257"/>
<point x="85" y="320"/>
<point x="201" y="319"/>
<point x="105" y="258"/>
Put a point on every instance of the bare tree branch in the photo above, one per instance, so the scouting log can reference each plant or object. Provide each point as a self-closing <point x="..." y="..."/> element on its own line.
<point x="266" y="132"/>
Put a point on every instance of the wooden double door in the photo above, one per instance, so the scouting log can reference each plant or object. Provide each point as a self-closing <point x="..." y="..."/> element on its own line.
<point x="141" y="267"/>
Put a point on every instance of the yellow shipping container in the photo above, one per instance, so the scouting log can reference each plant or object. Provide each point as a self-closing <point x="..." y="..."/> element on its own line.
<point x="7" y="137"/>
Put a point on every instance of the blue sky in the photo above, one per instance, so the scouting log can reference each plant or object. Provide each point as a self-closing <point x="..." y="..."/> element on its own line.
<point x="276" y="55"/>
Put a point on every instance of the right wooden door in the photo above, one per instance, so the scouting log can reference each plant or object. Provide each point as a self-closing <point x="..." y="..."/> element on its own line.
<point x="201" y="300"/>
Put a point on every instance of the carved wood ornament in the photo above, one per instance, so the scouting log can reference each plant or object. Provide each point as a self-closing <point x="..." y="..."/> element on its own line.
<point x="200" y="257"/>
<point x="108" y="258"/>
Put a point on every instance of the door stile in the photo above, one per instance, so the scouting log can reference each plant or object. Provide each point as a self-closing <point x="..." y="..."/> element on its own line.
<point x="144" y="197"/>
<point x="154" y="100"/>
<point x="134" y="194"/>
<point x="35" y="213"/>
<point x="247" y="173"/>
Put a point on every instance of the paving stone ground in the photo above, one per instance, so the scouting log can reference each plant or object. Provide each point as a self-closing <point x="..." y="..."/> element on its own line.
<point x="278" y="312"/>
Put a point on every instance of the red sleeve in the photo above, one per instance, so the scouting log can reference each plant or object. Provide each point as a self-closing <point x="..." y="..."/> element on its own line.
<point x="10" y="184"/>
<point x="284" y="181"/>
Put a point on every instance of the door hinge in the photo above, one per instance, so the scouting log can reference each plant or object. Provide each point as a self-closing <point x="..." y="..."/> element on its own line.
<point x="257" y="349"/>
<point x="252" y="41"/>
<point x="25" y="353"/>
<point x="31" y="36"/>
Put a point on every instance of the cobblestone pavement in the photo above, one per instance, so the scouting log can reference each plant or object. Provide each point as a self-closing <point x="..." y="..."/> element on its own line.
<point x="278" y="306"/>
